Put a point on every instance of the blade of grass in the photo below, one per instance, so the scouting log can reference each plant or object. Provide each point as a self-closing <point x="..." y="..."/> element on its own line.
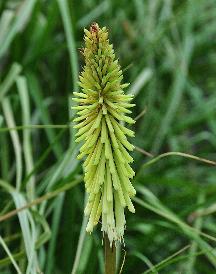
<point x="2" y="242"/>
<point x="157" y="207"/>
<point x="92" y="15"/>
<point x="9" y="80"/>
<point x="81" y="240"/>
<point x="165" y="261"/>
<point x="37" y="95"/>
<point x="189" y="268"/>
<point x="28" y="232"/>
<point x="4" y="153"/>
<point x="5" y="21"/>
<point x="7" y="109"/>
<point x="180" y="76"/>
<point x="27" y="147"/>
<point x="21" y="18"/>
<point x="55" y="228"/>
<point x="44" y="156"/>
<point x="39" y="200"/>
<point x="69" y="32"/>
<point x="141" y="80"/>
<point x="146" y="261"/>
<point x="32" y="127"/>
<point x="172" y="153"/>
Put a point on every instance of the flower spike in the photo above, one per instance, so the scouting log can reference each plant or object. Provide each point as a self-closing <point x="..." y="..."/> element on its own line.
<point x="102" y="109"/>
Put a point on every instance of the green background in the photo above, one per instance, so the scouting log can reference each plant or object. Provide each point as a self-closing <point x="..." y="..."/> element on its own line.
<point x="167" y="52"/>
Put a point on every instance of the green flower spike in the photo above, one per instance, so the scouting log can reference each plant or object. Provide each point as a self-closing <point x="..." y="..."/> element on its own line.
<point x="103" y="107"/>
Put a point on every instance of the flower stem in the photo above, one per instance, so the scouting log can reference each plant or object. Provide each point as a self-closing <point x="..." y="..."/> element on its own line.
<point x="110" y="256"/>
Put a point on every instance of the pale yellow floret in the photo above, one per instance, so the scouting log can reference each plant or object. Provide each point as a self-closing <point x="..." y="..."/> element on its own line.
<point x="102" y="107"/>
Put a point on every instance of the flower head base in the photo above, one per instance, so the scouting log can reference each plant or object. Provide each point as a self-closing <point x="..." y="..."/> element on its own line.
<point x="103" y="107"/>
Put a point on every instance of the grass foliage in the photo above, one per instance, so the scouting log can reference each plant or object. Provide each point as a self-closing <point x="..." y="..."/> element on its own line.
<point x="167" y="51"/>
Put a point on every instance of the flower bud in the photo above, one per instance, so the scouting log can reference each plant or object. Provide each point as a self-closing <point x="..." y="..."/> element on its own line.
<point x="102" y="109"/>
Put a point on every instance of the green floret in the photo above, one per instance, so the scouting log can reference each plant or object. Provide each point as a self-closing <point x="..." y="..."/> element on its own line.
<point x="102" y="107"/>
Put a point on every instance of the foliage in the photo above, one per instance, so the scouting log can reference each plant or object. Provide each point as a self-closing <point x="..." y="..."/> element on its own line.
<point x="167" y="52"/>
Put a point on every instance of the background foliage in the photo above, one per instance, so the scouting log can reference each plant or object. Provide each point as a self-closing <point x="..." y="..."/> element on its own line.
<point x="167" y="51"/>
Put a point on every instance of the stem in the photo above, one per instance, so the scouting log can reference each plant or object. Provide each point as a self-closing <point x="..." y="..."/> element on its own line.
<point x="110" y="256"/>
